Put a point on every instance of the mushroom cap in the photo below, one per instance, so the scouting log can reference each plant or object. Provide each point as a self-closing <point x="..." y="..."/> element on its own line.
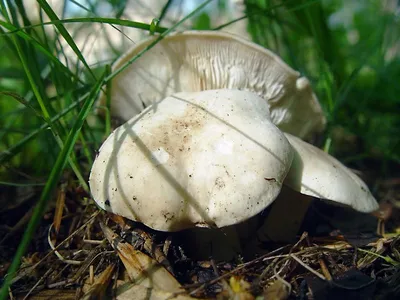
<point x="210" y="158"/>
<point x="194" y="61"/>
<point x="316" y="173"/>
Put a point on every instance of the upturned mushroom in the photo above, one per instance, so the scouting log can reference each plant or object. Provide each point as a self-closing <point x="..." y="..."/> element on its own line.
<point x="194" y="61"/>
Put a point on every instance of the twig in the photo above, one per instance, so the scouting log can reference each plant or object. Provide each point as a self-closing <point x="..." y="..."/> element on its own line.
<point x="10" y="294"/>
<point x="325" y="269"/>
<point x="37" y="283"/>
<point x="60" y="257"/>
<point x="242" y="266"/>
<point x="284" y="282"/>
<point x="320" y="276"/>
<point x="94" y="242"/>
<point x="30" y="269"/>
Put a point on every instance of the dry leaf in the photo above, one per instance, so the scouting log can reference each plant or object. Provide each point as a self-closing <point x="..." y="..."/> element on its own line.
<point x="129" y="291"/>
<point x="98" y="288"/>
<point x="142" y="269"/>
<point x="54" y="294"/>
<point x="154" y="250"/>
<point x="59" y="208"/>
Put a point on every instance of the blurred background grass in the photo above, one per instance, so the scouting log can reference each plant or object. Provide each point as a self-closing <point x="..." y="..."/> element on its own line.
<point x="348" y="49"/>
<point x="50" y="71"/>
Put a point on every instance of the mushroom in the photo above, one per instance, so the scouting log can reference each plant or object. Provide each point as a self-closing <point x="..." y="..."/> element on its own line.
<point x="194" y="61"/>
<point x="208" y="159"/>
<point x="213" y="159"/>
<point x="316" y="173"/>
<point x="313" y="173"/>
<point x="200" y="148"/>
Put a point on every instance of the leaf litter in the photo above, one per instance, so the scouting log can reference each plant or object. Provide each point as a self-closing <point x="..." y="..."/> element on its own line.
<point x="81" y="252"/>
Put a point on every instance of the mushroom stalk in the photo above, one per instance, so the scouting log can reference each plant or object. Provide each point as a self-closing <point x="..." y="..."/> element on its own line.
<point x="285" y="217"/>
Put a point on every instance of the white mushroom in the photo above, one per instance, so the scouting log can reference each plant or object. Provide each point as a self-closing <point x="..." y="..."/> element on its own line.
<point x="210" y="158"/>
<point x="194" y="61"/>
<point x="316" y="173"/>
<point x="214" y="159"/>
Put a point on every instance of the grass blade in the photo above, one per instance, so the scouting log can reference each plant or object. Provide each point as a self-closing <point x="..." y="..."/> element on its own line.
<point x="23" y="102"/>
<point x="110" y="21"/>
<point x="37" y="45"/>
<point x="9" y="153"/>
<point x="49" y="187"/>
<point x="52" y="15"/>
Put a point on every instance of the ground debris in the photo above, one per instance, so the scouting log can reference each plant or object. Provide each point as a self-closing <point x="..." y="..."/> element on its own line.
<point x="77" y="261"/>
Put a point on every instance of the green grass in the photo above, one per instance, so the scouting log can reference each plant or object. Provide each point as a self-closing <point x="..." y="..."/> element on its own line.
<point x="47" y="123"/>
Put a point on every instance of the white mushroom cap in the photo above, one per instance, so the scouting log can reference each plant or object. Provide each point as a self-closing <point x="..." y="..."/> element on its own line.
<point x="210" y="158"/>
<point x="316" y="173"/>
<point x="194" y="61"/>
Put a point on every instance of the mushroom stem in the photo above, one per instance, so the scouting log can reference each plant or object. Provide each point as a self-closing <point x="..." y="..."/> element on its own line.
<point x="221" y="244"/>
<point x="285" y="217"/>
